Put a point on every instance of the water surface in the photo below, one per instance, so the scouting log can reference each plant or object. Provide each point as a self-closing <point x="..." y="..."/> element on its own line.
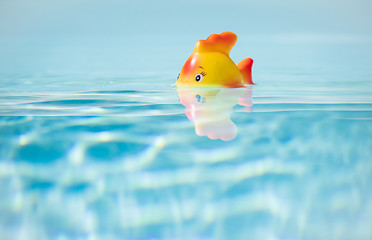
<point x="117" y="154"/>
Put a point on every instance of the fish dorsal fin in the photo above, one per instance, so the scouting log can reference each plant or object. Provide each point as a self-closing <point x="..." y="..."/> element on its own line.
<point x="223" y="43"/>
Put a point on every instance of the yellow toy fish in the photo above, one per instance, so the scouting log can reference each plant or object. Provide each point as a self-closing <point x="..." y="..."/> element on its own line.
<point x="210" y="65"/>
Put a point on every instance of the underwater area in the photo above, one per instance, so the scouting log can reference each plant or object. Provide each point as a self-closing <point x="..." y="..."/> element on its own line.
<point x="96" y="142"/>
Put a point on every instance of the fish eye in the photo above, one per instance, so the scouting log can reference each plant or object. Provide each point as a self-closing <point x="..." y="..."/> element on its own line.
<point x="198" y="77"/>
<point x="178" y="76"/>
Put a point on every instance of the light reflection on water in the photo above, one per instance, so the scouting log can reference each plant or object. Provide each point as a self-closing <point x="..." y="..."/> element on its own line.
<point x="91" y="156"/>
<point x="210" y="109"/>
<point x="133" y="166"/>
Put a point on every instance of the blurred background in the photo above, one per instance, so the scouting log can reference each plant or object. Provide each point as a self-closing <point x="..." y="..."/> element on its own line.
<point x="151" y="37"/>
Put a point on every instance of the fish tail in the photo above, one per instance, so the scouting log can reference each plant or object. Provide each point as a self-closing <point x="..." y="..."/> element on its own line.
<point x="245" y="68"/>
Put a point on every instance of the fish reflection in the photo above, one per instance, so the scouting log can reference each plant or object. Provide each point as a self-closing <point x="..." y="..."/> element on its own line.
<point x="210" y="109"/>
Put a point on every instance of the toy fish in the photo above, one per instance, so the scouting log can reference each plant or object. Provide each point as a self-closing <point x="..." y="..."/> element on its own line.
<point x="210" y="65"/>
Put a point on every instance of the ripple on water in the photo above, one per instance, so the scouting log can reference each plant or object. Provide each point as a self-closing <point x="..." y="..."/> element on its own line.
<point x="113" y="150"/>
<point x="136" y="169"/>
<point x="41" y="153"/>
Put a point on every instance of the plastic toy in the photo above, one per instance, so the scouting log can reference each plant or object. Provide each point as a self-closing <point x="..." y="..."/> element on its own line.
<point x="210" y="109"/>
<point x="210" y="65"/>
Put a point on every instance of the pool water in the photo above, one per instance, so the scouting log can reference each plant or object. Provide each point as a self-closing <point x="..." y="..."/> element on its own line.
<point x="110" y="149"/>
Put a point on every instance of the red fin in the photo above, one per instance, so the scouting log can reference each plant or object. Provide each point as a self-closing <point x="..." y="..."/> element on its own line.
<point x="245" y="67"/>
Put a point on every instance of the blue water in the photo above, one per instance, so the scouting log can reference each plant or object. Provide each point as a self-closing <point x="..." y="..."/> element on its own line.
<point x="97" y="143"/>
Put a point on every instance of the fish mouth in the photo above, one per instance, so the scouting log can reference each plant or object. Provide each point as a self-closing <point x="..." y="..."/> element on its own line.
<point x="184" y="83"/>
<point x="180" y="84"/>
